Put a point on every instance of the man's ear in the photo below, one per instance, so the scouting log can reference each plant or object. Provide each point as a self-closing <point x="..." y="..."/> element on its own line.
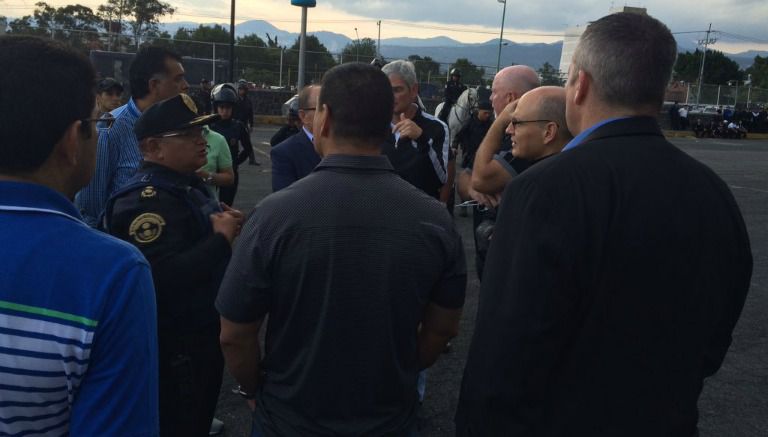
<point x="68" y="146"/>
<point x="550" y="132"/>
<point x="581" y="87"/>
<point x="323" y="129"/>
<point x="151" y="147"/>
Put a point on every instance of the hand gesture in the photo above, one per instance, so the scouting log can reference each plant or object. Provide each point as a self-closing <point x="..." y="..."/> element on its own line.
<point x="506" y="114"/>
<point x="226" y="224"/>
<point x="407" y="128"/>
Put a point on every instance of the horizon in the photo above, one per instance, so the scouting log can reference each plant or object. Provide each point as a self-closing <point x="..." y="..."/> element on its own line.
<point x="336" y="17"/>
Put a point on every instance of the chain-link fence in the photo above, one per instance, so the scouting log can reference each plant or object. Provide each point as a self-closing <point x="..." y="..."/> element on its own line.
<point x="746" y="97"/>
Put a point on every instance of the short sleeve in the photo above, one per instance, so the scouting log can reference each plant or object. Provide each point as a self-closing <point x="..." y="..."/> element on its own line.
<point x="119" y="395"/>
<point x="450" y="290"/>
<point x="244" y="294"/>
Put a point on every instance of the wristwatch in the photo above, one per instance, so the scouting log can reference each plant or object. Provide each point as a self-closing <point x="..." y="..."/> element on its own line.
<point x="209" y="179"/>
<point x="239" y="390"/>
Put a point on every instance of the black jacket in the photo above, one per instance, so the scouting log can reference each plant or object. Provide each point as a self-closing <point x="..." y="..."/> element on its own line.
<point x="616" y="274"/>
<point x="165" y="214"/>
<point x="238" y="139"/>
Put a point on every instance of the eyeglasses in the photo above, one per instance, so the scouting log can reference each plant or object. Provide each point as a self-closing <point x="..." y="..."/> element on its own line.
<point x="308" y="109"/>
<point x="516" y="123"/>
<point x="101" y="123"/>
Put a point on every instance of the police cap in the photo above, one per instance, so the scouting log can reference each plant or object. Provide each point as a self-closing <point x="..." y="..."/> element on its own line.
<point x="176" y="113"/>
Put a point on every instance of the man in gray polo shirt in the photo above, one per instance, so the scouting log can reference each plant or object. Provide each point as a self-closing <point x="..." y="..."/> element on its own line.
<point x="362" y="275"/>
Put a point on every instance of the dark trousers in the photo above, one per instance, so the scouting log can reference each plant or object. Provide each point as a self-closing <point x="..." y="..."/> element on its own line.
<point x="227" y="194"/>
<point x="190" y="379"/>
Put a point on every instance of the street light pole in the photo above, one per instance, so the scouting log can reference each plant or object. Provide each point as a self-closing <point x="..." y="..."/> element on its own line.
<point x="501" y="35"/>
<point x="303" y="38"/>
<point x="378" y="44"/>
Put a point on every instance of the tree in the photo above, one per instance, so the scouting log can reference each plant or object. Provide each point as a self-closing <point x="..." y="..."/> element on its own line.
<point x="363" y="50"/>
<point x="77" y="25"/>
<point x="318" y="59"/>
<point x="550" y="75"/>
<point x="718" y="68"/>
<point x="259" y="60"/>
<point x="144" y="15"/>
<point x="470" y="73"/>
<point x="187" y="42"/>
<point x="759" y="72"/>
<point x="426" y="67"/>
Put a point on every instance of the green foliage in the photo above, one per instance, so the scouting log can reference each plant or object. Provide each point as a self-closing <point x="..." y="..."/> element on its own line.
<point x="471" y="74"/>
<point x="363" y="50"/>
<point x="75" y="24"/>
<point x="759" y="72"/>
<point x="426" y="68"/>
<point x="718" y="68"/>
<point x="317" y="58"/>
<point x="550" y="75"/>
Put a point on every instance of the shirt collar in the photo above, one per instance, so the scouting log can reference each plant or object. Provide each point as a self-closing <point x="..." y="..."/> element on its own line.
<point x="131" y="106"/>
<point x="578" y="139"/>
<point x="308" y="133"/>
<point x="362" y="162"/>
<point x="25" y="195"/>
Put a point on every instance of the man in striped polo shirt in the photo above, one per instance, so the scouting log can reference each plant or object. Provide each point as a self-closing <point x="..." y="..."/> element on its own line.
<point x="78" y="340"/>
<point x="156" y="74"/>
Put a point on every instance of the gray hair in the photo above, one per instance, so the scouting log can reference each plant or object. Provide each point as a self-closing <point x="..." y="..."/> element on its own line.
<point x="552" y="107"/>
<point x="404" y="69"/>
<point x="629" y="57"/>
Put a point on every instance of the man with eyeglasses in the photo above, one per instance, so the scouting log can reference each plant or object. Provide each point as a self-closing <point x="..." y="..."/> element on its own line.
<point x="296" y="157"/>
<point x="167" y="211"/>
<point x="155" y="74"/>
<point x="537" y="124"/>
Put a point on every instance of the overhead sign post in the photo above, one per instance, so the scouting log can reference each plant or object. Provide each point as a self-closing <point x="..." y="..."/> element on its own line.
<point x="304" y="4"/>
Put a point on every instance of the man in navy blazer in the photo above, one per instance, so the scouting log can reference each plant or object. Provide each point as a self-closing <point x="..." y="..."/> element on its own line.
<point x="296" y="157"/>
<point x="617" y="269"/>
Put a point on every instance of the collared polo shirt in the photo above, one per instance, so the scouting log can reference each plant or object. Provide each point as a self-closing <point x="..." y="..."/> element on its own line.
<point x="344" y="261"/>
<point x="78" y="339"/>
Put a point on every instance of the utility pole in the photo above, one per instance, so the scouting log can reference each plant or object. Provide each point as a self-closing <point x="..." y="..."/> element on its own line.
<point x="357" y="49"/>
<point x="705" y="43"/>
<point x="232" y="44"/>
<point x="378" y="43"/>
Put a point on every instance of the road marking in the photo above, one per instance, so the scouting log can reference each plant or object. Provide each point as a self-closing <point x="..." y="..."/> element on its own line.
<point x="736" y="187"/>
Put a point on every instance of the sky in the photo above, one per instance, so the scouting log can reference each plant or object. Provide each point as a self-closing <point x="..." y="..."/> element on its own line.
<point x="742" y="22"/>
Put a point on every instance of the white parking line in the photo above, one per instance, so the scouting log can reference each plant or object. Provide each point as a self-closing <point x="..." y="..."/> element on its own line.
<point x="736" y="187"/>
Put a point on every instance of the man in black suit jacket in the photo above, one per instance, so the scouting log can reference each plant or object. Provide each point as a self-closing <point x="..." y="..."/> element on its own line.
<point x="296" y="157"/>
<point x="617" y="270"/>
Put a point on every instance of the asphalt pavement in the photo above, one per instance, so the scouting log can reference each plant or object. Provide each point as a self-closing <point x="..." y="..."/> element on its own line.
<point x="734" y="402"/>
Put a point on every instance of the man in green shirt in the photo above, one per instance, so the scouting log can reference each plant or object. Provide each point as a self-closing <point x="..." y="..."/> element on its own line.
<point x="217" y="172"/>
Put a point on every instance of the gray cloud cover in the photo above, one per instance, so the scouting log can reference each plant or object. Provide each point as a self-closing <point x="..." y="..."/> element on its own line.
<point x="743" y="17"/>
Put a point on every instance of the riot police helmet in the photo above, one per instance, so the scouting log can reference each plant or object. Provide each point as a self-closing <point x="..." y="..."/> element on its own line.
<point x="224" y="93"/>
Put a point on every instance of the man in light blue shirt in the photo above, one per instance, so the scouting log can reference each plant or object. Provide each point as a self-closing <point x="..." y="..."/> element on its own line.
<point x="156" y="74"/>
<point x="78" y="334"/>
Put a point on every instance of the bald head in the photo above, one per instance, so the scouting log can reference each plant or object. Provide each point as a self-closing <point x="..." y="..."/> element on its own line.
<point x="541" y="130"/>
<point x="510" y="84"/>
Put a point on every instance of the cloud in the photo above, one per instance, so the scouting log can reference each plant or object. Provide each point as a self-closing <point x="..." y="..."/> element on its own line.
<point x="743" y="17"/>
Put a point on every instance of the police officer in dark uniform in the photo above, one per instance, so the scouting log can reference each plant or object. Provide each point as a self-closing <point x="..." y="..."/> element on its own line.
<point x="202" y="97"/>
<point x="235" y="132"/>
<point x="453" y="90"/>
<point x="168" y="213"/>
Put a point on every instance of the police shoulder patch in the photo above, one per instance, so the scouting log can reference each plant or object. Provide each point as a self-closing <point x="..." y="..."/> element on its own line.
<point x="146" y="228"/>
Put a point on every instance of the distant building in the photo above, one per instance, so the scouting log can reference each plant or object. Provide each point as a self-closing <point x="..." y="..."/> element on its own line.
<point x="572" y="35"/>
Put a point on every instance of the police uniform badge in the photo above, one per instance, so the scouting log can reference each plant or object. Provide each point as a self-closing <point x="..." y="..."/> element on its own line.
<point x="189" y="102"/>
<point x="146" y="228"/>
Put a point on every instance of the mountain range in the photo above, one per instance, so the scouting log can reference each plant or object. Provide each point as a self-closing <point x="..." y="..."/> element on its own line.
<point x="441" y="49"/>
